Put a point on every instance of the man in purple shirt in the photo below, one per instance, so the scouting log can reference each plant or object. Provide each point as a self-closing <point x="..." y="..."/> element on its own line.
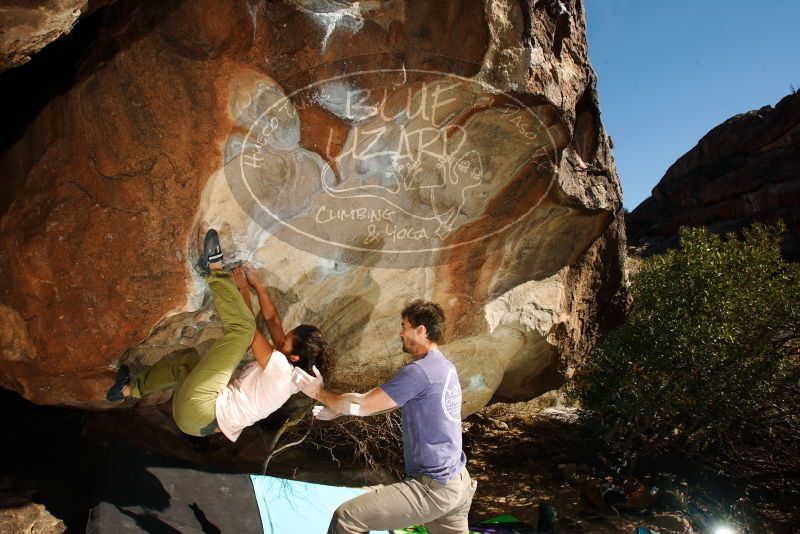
<point x="437" y="491"/>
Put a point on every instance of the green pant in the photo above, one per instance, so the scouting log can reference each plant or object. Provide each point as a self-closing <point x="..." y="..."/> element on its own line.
<point x="198" y="380"/>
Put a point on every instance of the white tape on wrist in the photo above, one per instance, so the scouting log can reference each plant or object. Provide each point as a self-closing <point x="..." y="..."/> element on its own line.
<point x="355" y="409"/>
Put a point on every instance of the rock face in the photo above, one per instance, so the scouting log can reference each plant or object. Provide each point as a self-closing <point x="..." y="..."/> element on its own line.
<point x="31" y="517"/>
<point x="27" y="26"/>
<point x="359" y="155"/>
<point x="744" y="170"/>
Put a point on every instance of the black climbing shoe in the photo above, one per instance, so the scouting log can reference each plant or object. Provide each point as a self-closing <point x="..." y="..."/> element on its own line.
<point x="212" y="252"/>
<point x="123" y="379"/>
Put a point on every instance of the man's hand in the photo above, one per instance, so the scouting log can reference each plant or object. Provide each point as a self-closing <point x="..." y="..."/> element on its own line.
<point x="239" y="277"/>
<point x="323" y="413"/>
<point x="310" y="385"/>
<point x="252" y="276"/>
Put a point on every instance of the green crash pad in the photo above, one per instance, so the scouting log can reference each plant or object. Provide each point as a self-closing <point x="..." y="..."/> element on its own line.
<point x="502" y="524"/>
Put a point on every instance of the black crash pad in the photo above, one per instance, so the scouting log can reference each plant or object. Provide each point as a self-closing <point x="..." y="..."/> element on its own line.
<point x="141" y="492"/>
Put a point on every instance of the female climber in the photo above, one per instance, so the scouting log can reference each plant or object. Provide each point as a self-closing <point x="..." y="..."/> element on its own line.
<point x="206" y="400"/>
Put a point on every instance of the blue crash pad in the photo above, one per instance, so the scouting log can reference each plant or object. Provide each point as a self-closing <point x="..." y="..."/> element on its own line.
<point x="294" y="507"/>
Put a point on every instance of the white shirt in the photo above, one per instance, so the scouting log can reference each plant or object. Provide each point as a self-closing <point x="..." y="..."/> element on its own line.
<point x="254" y="394"/>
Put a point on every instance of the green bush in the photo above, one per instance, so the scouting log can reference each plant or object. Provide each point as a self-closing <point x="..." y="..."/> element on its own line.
<point x="708" y="353"/>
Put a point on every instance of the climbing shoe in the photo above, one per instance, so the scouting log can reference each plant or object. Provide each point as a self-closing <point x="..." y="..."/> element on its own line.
<point x="212" y="252"/>
<point x="123" y="379"/>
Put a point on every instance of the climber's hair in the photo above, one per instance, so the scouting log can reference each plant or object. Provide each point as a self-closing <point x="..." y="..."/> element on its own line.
<point x="313" y="349"/>
<point x="429" y="314"/>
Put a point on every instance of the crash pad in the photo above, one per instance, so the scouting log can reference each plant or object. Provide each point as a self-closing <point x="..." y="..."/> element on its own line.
<point x="295" y="507"/>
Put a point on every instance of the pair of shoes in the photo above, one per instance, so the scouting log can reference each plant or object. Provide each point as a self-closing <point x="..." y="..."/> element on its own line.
<point x="212" y="252"/>
<point x="123" y="379"/>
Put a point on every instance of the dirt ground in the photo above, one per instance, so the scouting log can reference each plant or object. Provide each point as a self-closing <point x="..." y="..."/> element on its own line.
<point x="527" y="454"/>
<point x="517" y="453"/>
<point x="522" y="455"/>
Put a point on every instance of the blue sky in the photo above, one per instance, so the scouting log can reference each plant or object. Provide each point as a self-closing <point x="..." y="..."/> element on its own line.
<point x="669" y="71"/>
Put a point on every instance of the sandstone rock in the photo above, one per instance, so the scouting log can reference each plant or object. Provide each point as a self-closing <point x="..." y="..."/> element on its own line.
<point x="671" y="522"/>
<point x="27" y="26"/>
<point x="31" y="517"/>
<point x="20" y="513"/>
<point x="742" y="171"/>
<point x="358" y="155"/>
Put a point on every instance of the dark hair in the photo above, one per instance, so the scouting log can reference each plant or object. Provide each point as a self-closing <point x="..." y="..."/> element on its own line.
<point x="429" y="314"/>
<point x="312" y="348"/>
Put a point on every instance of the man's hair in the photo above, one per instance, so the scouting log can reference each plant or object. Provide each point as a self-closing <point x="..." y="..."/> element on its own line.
<point x="429" y="314"/>
<point x="313" y="349"/>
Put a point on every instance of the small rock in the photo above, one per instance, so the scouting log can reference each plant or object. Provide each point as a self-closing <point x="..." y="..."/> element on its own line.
<point x="188" y="331"/>
<point x="32" y="517"/>
<point x="580" y="478"/>
<point x="568" y="415"/>
<point x="568" y="471"/>
<point x="671" y="522"/>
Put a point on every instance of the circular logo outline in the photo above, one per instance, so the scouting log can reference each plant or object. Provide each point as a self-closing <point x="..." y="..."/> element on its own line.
<point x="552" y="151"/>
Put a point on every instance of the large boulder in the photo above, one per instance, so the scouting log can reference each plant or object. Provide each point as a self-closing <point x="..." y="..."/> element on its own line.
<point x="359" y="155"/>
<point x="27" y="26"/>
<point x="742" y="171"/>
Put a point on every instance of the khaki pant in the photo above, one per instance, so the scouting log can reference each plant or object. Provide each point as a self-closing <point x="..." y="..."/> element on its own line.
<point x="442" y="508"/>
<point x="200" y="379"/>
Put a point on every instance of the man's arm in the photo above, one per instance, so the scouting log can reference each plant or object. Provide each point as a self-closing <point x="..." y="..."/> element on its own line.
<point x="372" y="402"/>
<point x="359" y="404"/>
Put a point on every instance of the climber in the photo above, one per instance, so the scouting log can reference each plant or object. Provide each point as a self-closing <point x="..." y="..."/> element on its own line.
<point x="206" y="400"/>
<point x="437" y="490"/>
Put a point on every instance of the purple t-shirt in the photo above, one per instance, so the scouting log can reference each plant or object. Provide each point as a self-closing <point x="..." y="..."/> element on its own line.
<point x="430" y="397"/>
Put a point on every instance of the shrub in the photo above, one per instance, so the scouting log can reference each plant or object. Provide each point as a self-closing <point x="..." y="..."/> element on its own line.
<point x="708" y="357"/>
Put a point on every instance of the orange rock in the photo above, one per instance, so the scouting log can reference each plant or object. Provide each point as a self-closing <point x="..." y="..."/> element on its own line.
<point x="111" y="179"/>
